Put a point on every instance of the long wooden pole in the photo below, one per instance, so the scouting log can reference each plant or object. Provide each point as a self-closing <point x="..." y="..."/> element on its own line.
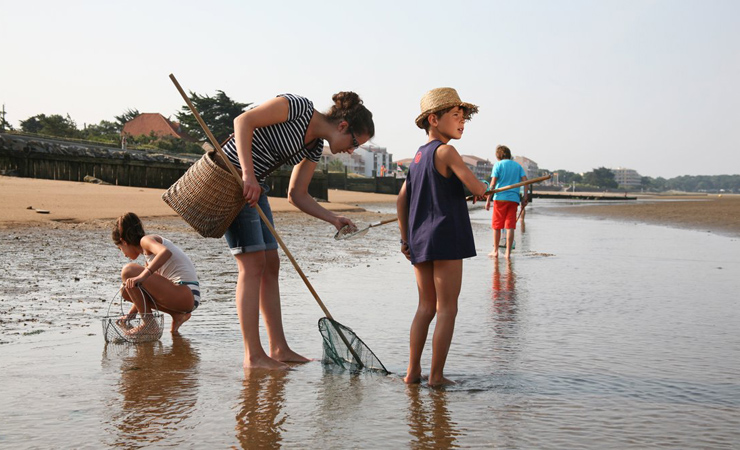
<point x="265" y="220"/>
<point x="513" y="186"/>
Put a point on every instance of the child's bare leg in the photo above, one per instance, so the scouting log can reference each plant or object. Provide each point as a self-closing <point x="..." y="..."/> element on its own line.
<point x="251" y="266"/>
<point x="424" y="314"/>
<point x="447" y="282"/>
<point x="271" y="311"/>
<point x="509" y="241"/>
<point x="496" y="239"/>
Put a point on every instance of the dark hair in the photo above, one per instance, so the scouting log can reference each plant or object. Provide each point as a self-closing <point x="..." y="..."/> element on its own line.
<point x="503" y="152"/>
<point x="348" y="106"/>
<point x="425" y="123"/>
<point x="128" y="229"/>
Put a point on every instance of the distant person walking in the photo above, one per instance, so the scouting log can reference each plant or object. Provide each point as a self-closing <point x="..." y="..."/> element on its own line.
<point x="436" y="234"/>
<point x="505" y="204"/>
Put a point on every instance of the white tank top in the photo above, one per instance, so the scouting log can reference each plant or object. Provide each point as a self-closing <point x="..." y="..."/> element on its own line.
<point x="178" y="268"/>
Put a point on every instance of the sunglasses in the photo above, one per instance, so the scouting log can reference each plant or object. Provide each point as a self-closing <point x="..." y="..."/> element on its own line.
<point x="355" y="144"/>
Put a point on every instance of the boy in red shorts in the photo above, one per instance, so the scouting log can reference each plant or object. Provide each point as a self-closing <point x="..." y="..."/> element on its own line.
<point x="505" y="173"/>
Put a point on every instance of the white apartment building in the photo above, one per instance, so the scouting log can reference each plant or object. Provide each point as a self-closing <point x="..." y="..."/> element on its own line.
<point x="627" y="178"/>
<point x="479" y="166"/>
<point x="368" y="160"/>
<point x="530" y="167"/>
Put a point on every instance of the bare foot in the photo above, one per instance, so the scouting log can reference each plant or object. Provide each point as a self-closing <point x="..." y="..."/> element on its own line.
<point x="413" y="376"/>
<point x="179" y="319"/>
<point x="146" y="328"/>
<point x="508" y="255"/>
<point x="288" y="356"/>
<point x="494" y="254"/>
<point x="439" y="383"/>
<point x="264" y="363"/>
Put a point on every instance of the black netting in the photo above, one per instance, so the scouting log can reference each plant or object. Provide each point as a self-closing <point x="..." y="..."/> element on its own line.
<point x="343" y="348"/>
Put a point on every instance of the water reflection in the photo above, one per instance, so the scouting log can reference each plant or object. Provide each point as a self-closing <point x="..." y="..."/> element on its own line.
<point x="260" y="419"/>
<point x="505" y="310"/>
<point x="429" y="419"/>
<point x="158" y="390"/>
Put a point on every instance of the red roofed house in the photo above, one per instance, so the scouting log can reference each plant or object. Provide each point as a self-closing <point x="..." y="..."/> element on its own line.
<point x="148" y="123"/>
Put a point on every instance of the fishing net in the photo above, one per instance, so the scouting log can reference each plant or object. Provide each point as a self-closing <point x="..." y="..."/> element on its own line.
<point x="344" y="349"/>
<point x="132" y="329"/>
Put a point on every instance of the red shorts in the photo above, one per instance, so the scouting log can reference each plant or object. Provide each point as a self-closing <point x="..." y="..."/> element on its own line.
<point x="504" y="215"/>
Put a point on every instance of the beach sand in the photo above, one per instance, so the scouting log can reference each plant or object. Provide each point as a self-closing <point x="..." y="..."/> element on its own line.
<point x="79" y="203"/>
<point x="75" y="204"/>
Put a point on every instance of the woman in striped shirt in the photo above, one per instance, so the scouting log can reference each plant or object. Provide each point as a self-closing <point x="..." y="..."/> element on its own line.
<point x="283" y="130"/>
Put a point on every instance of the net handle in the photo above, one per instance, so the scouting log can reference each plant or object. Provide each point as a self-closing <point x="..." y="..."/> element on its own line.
<point x="264" y="218"/>
<point x="516" y="185"/>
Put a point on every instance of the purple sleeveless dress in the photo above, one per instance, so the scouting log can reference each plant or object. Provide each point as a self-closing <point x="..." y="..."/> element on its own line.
<point x="439" y="224"/>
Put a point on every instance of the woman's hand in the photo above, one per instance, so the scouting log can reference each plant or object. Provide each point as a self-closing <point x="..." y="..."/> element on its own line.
<point x="139" y="279"/>
<point x="252" y="189"/>
<point x="341" y="221"/>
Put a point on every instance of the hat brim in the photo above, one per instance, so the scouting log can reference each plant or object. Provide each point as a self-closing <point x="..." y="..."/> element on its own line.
<point x="469" y="106"/>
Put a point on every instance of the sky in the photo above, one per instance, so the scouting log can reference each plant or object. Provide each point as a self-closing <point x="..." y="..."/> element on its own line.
<point x="652" y="86"/>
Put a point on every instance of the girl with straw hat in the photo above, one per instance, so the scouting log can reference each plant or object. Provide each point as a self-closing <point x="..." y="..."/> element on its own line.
<point x="436" y="234"/>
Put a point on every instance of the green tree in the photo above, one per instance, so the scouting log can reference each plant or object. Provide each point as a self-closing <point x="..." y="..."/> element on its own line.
<point x="217" y="112"/>
<point x="53" y="125"/>
<point x="127" y="116"/>
<point x="4" y="125"/>
<point x="566" y="177"/>
<point x="336" y="165"/>
<point x="105" y="131"/>
<point x="602" y="178"/>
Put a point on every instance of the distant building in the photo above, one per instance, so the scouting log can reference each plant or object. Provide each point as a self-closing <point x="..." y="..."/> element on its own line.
<point x="530" y="167"/>
<point x="479" y="166"/>
<point x="154" y="123"/>
<point x="627" y="178"/>
<point x="367" y="160"/>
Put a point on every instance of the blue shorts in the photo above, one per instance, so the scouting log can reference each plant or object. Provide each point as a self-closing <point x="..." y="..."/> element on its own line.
<point x="247" y="233"/>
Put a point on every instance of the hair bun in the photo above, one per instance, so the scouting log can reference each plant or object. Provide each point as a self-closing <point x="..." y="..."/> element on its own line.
<point x="346" y="100"/>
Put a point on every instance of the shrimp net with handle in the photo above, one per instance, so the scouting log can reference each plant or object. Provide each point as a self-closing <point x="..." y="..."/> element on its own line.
<point x="343" y="348"/>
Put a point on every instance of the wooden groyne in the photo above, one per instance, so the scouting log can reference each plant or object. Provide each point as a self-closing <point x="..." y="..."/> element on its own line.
<point x="32" y="157"/>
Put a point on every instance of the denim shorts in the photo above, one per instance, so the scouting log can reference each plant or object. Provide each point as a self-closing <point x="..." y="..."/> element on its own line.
<point x="247" y="233"/>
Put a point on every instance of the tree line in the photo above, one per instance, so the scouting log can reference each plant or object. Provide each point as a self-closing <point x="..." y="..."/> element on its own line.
<point x="603" y="178"/>
<point x="218" y="112"/>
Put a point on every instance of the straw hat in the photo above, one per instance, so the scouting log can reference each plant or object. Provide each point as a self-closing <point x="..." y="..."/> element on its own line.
<point x="439" y="99"/>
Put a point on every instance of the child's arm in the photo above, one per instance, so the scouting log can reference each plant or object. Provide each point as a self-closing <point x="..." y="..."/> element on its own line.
<point x="162" y="254"/>
<point x="489" y="197"/>
<point x="402" y="209"/>
<point x="449" y="158"/>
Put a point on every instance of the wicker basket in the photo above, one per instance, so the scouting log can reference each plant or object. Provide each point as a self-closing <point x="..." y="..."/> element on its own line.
<point x="121" y="329"/>
<point x="207" y="197"/>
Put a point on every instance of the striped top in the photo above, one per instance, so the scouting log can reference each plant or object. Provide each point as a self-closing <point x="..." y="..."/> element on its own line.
<point x="276" y="142"/>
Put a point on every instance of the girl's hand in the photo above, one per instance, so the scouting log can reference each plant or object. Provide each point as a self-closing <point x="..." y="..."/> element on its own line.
<point x="252" y="190"/>
<point x="405" y="249"/>
<point x="139" y="279"/>
<point x="488" y="203"/>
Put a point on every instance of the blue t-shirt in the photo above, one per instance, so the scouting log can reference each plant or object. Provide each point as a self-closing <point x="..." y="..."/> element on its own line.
<point x="507" y="172"/>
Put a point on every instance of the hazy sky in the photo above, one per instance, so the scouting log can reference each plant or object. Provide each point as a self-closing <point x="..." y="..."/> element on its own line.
<point x="649" y="85"/>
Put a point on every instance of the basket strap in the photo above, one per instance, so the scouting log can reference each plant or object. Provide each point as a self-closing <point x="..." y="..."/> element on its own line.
<point x="275" y="166"/>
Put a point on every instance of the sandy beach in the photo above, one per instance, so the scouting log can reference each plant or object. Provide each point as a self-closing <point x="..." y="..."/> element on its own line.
<point x="76" y="203"/>
<point x="84" y="204"/>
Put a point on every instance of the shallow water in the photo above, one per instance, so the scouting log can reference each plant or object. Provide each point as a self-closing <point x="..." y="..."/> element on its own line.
<point x="598" y="334"/>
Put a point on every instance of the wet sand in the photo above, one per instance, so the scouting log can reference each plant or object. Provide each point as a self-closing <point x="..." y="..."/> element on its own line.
<point x="706" y="213"/>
